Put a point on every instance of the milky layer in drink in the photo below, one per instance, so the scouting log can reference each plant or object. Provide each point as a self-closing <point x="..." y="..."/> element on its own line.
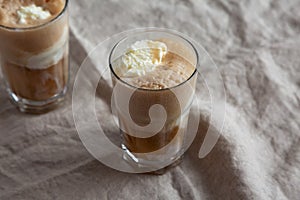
<point x="27" y="36"/>
<point x="148" y="64"/>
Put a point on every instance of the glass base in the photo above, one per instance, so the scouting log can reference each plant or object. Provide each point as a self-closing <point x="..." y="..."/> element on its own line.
<point x="37" y="107"/>
<point x="150" y="165"/>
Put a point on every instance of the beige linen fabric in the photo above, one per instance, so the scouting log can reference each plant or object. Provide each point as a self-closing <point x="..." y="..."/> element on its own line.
<point x="256" y="45"/>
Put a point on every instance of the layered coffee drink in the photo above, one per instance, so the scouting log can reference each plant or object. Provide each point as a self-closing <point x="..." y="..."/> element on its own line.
<point x="154" y="85"/>
<point x="34" y="51"/>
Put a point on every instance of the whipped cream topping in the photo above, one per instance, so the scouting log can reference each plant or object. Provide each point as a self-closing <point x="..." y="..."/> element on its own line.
<point x="32" y="12"/>
<point x="142" y="57"/>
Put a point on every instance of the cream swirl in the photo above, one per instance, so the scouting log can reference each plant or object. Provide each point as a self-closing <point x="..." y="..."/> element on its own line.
<point x="142" y="57"/>
<point x="32" y="12"/>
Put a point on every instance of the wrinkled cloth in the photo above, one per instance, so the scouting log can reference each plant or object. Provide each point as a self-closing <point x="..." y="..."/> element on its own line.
<point x="256" y="46"/>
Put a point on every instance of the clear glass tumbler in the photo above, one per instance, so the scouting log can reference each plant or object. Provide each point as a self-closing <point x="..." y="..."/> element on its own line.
<point x="153" y="121"/>
<point x="35" y="62"/>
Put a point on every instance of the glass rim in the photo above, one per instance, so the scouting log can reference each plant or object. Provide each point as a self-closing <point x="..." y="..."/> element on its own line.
<point x="147" y="89"/>
<point x="39" y="25"/>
